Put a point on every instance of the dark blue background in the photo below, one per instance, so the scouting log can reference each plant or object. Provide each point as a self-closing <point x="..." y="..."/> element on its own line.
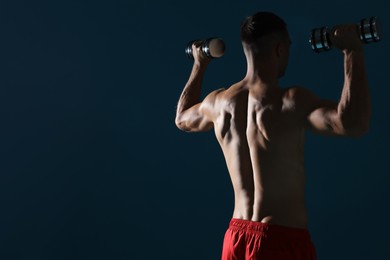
<point x="92" y="166"/>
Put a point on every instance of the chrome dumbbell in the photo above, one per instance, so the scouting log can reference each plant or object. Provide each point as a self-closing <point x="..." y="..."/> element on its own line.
<point x="370" y="30"/>
<point x="211" y="47"/>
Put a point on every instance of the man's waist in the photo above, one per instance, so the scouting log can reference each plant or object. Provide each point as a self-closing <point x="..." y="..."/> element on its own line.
<point x="285" y="214"/>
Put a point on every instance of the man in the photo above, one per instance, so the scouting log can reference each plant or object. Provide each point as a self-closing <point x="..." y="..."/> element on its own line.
<point x="260" y="128"/>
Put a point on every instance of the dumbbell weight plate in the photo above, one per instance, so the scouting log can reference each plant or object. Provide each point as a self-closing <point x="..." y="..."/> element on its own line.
<point x="319" y="39"/>
<point x="370" y="30"/>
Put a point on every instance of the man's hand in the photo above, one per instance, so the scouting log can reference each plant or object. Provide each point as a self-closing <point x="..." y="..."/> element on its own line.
<point x="199" y="57"/>
<point x="346" y="37"/>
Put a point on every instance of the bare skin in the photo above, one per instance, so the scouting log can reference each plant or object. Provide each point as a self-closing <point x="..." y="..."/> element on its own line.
<point x="260" y="126"/>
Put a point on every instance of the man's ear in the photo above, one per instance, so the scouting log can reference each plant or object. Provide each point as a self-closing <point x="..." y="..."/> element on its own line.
<point x="279" y="49"/>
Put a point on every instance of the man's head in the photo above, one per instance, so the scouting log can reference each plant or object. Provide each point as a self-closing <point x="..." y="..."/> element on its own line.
<point x="265" y="37"/>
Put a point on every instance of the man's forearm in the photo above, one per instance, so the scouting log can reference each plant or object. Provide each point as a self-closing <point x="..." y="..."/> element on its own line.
<point x="355" y="107"/>
<point x="192" y="90"/>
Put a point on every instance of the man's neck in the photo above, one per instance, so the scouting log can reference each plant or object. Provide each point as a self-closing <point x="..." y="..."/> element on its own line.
<point x="261" y="79"/>
<point x="261" y="75"/>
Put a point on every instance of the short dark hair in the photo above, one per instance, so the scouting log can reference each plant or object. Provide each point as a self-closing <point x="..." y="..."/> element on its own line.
<point x="261" y="24"/>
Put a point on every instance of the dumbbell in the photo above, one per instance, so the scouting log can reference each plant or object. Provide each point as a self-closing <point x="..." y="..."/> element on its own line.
<point x="369" y="29"/>
<point x="211" y="47"/>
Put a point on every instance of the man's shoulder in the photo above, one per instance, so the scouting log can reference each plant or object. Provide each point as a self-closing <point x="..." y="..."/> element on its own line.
<point x="229" y="95"/>
<point x="212" y="98"/>
<point x="297" y="94"/>
<point x="295" y="90"/>
<point x="225" y="93"/>
<point x="214" y="95"/>
<point x="297" y="98"/>
<point x="217" y="92"/>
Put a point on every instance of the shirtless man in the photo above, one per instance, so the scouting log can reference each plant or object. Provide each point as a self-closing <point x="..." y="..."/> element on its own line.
<point x="260" y="128"/>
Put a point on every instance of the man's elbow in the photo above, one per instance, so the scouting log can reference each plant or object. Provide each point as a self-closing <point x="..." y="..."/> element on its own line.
<point x="181" y="124"/>
<point x="178" y="123"/>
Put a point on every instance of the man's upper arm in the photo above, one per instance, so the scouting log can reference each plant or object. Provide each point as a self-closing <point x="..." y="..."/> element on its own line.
<point x="319" y="115"/>
<point x="199" y="117"/>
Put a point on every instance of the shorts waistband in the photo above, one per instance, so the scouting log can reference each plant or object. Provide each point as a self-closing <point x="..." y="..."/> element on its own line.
<point x="266" y="228"/>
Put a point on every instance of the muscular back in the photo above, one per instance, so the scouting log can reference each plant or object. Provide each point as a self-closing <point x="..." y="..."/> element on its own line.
<point x="262" y="139"/>
<point x="261" y="129"/>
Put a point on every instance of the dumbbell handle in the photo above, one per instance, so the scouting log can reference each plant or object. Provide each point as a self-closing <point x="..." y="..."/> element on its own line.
<point x="370" y="30"/>
<point x="211" y="48"/>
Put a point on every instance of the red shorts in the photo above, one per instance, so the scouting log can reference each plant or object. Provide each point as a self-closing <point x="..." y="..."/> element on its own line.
<point x="250" y="240"/>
